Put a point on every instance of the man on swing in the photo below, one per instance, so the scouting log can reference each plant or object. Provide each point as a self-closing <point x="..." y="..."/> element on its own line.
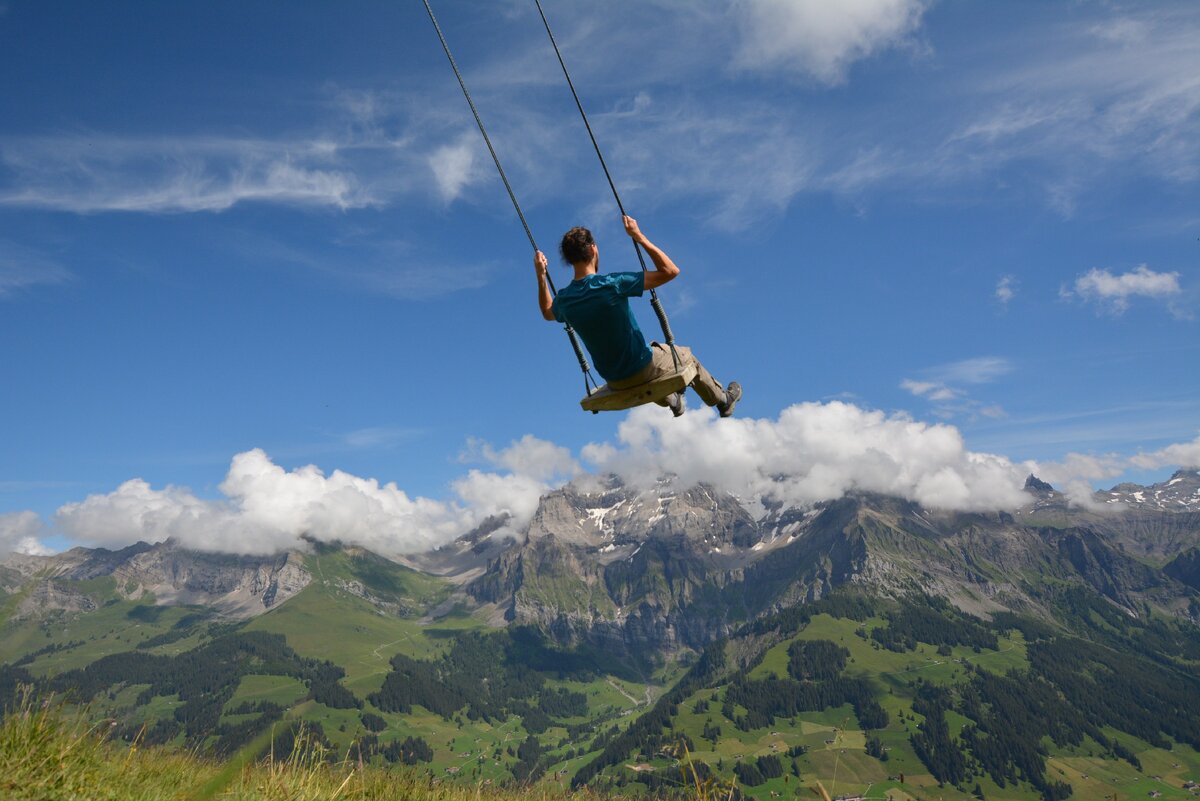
<point x="598" y="308"/>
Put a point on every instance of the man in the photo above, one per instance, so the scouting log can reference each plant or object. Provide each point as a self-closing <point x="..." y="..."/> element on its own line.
<point x="597" y="306"/>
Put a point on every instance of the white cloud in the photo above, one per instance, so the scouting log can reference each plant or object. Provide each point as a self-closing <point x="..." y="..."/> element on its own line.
<point x="527" y="456"/>
<point x="979" y="370"/>
<point x="454" y="167"/>
<point x="185" y="174"/>
<point x="950" y="401"/>
<point x="21" y="268"/>
<point x="1088" y="103"/>
<point x="813" y="452"/>
<point x="1074" y="474"/>
<point x="819" y="38"/>
<point x="1113" y="291"/>
<point x="22" y="532"/>
<point x="266" y="509"/>
<point x="931" y="390"/>
<point x="378" y="436"/>
<point x="1180" y="454"/>
<point x="1006" y="289"/>
<point x="1121" y="30"/>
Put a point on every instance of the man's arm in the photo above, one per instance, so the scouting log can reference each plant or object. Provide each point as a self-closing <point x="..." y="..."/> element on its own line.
<point x="664" y="269"/>
<point x="545" y="299"/>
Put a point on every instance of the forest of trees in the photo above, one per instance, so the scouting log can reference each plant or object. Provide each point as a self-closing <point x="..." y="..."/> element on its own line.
<point x="932" y="621"/>
<point x="816" y="683"/>
<point x="204" y="679"/>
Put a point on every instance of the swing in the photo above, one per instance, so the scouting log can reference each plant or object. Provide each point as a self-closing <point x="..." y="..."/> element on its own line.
<point x="598" y="398"/>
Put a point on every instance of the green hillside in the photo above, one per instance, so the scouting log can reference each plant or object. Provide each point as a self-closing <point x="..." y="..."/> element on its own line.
<point x="919" y="701"/>
<point x="384" y="665"/>
<point x="317" y="660"/>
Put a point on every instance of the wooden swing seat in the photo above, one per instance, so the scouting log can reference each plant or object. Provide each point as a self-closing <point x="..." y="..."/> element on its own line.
<point x="606" y="399"/>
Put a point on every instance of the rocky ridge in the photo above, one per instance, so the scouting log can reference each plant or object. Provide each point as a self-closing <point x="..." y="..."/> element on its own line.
<point x="237" y="586"/>
<point x="665" y="568"/>
<point x="1179" y="493"/>
<point x="670" y="567"/>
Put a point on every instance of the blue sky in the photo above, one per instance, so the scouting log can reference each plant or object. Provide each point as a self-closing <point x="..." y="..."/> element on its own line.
<point x="228" y="227"/>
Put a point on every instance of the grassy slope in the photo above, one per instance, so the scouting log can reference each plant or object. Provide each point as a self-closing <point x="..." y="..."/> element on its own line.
<point x="46" y="755"/>
<point x="326" y="620"/>
<point x="836" y="746"/>
<point x="116" y="625"/>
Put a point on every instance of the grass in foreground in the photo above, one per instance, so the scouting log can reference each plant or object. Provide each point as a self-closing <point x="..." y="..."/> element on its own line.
<point x="49" y="754"/>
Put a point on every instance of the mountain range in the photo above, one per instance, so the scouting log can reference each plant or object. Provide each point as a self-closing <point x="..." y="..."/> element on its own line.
<point x="614" y="596"/>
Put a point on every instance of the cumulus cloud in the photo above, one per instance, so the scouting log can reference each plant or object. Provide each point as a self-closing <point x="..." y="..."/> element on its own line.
<point x="1112" y="292"/>
<point x="1074" y="473"/>
<point x="819" y="38"/>
<point x="266" y="508"/>
<point x="527" y="456"/>
<point x="1181" y="454"/>
<point x="22" y="532"/>
<point x="813" y="452"/>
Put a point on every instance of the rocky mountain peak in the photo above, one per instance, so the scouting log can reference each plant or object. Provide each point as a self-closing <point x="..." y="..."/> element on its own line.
<point x="1037" y="486"/>
<point x="614" y="515"/>
<point x="1179" y="493"/>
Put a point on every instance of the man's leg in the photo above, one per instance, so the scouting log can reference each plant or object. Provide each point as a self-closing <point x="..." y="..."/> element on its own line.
<point x="663" y="363"/>
<point x="707" y="387"/>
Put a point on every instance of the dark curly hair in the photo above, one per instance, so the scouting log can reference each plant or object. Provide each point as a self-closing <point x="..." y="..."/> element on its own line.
<point x="576" y="245"/>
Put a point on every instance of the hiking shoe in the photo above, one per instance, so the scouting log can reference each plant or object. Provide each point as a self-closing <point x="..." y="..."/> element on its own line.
<point x="733" y="394"/>
<point x="676" y="404"/>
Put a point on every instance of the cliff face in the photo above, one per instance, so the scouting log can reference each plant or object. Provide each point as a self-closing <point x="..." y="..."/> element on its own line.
<point x="239" y="586"/>
<point x="667" y="570"/>
<point x="615" y="566"/>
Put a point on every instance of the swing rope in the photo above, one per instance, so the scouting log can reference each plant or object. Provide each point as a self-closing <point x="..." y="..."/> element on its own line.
<point x="589" y="382"/>
<point x="655" y="303"/>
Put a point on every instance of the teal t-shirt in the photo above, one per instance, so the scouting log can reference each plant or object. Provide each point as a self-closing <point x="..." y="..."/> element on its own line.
<point x="598" y="308"/>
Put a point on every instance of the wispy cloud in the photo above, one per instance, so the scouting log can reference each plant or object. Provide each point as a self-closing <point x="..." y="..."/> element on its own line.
<point x="943" y="386"/>
<point x="1085" y="104"/>
<point x="931" y="390"/>
<point x="379" y="436"/>
<point x="1107" y="98"/>
<point x="979" y="370"/>
<point x="1006" y="290"/>
<point x="21" y="268"/>
<point x="385" y="266"/>
<point x="89" y="174"/>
